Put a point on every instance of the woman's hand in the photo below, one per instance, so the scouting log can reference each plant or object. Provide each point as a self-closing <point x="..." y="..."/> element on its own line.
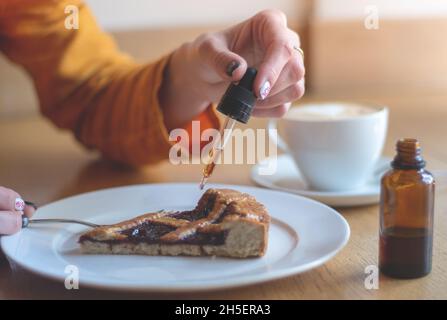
<point x="12" y="207"/>
<point x="199" y="72"/>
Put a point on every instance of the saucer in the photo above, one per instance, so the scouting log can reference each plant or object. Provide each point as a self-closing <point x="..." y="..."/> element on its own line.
<point x="288" y="178"/>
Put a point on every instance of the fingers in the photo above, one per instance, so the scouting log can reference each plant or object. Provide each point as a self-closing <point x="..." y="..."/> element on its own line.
<point x="282" y="64"/>
<point x="11" y="210"/>
<point x="290" y="94"/>
<point x="227" y="65"/>
<point x="291" y="74"/>
<point x="12" y="207"/>
<point x="10" y="222"/>
<point x="276" y="112"/>
<point x="277" y="56"/>
<point x="10" y="200"/>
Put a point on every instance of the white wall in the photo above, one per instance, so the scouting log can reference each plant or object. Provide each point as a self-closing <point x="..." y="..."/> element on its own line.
<point x="136" y="14"/>
<point x="387" y="9"/>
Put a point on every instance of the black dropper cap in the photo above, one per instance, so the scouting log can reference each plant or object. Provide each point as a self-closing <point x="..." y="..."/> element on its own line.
<point x="239" y="99"/>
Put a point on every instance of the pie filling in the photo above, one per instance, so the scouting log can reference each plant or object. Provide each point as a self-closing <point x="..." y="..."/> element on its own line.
<point x="150" y="233"/>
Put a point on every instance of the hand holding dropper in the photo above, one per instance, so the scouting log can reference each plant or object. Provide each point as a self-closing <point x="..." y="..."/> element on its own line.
<point x="237" y="104"/>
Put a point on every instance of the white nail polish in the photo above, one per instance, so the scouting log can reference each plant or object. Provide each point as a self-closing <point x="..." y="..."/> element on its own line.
<point x="19" y="204"/>
<point x="265" y="89"/>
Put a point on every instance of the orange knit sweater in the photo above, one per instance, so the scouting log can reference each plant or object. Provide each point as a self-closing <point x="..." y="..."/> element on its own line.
<point x="85" y="84"/>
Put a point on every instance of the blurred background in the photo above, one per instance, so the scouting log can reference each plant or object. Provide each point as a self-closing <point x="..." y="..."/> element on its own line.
<point x="348" y="56"/>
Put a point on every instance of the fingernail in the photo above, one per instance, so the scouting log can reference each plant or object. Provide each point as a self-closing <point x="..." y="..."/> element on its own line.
<point x="32" y="204"/>
<point x="19" y="204"/>
<point x="265" y="89"/>
<point x="233" y="65"/>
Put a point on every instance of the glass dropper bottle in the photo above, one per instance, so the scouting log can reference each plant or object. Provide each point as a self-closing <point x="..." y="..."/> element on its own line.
<point x="406" y="214"/>
<point x="236" y="104"/>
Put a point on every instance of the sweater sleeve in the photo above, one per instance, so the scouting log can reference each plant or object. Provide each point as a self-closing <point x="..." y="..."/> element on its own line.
<point x="85" y="84"/>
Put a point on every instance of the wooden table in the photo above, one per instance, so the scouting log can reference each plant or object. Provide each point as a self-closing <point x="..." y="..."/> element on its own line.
<point x="44" y="164"/>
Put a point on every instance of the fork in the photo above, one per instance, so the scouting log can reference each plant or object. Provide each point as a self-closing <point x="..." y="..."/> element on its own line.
<point x="27" y="221"/>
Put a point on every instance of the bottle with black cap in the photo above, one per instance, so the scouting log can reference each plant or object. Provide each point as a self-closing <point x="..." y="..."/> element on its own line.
<point x="237" y="104"/>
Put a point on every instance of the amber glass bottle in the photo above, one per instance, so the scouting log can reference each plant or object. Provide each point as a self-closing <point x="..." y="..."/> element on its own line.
<point x="406" y="214"/>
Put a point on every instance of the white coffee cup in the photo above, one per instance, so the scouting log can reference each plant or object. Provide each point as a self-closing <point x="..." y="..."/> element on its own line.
<point x="335" y="145"/>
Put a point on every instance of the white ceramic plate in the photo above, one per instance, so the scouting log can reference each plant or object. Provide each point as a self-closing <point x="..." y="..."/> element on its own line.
<point x="288" y="178"/>
<point x="303" y="235"/>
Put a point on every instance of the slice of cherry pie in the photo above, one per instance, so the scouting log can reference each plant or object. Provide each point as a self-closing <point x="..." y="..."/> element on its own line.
<point x="224" y="223"/>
